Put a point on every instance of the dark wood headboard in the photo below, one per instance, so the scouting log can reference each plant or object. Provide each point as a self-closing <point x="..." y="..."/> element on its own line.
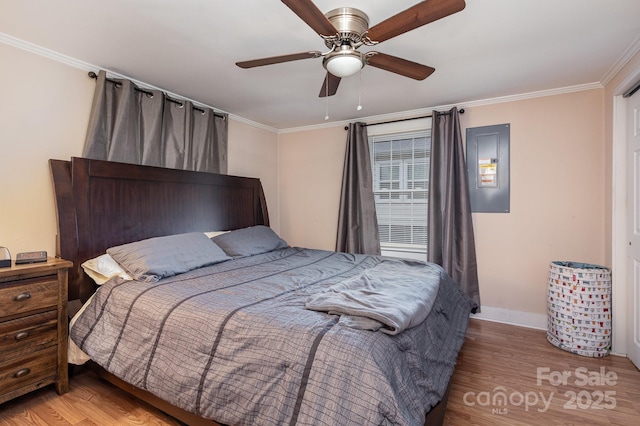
<point x="101" y="204"/>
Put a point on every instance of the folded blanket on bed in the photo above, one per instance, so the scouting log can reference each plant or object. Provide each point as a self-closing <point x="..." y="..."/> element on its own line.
<point x="376" y="299"/>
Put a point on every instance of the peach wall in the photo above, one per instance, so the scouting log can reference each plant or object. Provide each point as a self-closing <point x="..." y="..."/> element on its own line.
<point x="253" y="152"/>
<point x="44" y="109"/>
<point x="310" y="168"/>
<point x="557" y="194"/>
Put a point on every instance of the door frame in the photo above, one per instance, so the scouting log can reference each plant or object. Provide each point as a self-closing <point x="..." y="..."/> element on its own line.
<point x="621" y="298"/>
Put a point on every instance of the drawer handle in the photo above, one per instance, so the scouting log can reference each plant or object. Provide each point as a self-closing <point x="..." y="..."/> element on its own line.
<point x="22" y="297"/>
<point x="21" y="373"/>
<point x="22" y="335"/>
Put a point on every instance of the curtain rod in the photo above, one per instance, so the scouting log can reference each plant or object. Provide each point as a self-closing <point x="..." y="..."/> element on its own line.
<point x="461" y="111"/>
<point x="146" y="92"/>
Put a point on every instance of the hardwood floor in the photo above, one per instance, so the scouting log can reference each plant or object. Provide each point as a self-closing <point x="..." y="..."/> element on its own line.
<point x="542" y="384"/>
<point x="90" y="401"/>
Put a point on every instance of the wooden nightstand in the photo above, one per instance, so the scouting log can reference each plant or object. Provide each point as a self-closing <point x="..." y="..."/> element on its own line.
<point x="33" y="327"/>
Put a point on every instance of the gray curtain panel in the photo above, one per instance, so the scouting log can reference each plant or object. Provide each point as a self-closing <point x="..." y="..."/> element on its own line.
<point x="451" y="243"/>
<point x="144" y="127"/>
<point x="357" y="220"/>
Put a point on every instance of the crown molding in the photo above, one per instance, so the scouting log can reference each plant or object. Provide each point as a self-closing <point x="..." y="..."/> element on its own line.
<point x="532" y="95"/>
<point x="467" y="104"/>
<point x="75" y="63"/>
<point x="47" y="53"/>
<point x="252" y="123"/>
<point x="626" y="57"/>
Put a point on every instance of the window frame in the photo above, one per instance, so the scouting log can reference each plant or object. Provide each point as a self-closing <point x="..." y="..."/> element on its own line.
<point x="399" y="248"/>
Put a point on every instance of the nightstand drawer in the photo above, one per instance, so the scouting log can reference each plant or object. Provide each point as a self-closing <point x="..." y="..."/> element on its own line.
<point x="33" y="328"/>
<point x="28" y="295"/>
<point x="37" y="367"/>
<point x="26" y="335"/>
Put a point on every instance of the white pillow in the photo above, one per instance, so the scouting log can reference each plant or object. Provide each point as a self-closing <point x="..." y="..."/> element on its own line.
<point x="103" y="268"/>
<point x="214" y="233"/>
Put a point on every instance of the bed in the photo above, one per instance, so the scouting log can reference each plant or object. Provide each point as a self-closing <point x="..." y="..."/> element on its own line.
<point x="251" y="333"/>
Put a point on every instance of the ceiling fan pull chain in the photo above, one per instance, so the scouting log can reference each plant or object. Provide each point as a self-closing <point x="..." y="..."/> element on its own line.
<point x="326" y="98"/>
<point x="359" y="107"/>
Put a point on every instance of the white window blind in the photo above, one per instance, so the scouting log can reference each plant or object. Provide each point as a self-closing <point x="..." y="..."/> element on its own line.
<point x="400" y="166"/>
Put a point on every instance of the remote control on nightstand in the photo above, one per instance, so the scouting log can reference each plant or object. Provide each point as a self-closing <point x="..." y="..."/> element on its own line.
<point x="31" y="257"/>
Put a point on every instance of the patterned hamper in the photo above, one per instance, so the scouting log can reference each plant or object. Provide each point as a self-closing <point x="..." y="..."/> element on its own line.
<point x="579" y="308"/>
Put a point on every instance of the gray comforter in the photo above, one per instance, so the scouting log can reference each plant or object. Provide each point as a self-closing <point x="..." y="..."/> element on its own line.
<point x="233" y="342"/>
<point x="376" y="299"/>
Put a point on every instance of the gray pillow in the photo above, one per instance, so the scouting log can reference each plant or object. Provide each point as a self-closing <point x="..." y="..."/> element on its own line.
<point x="249" y="241"/>
<point x="155" y="258"/>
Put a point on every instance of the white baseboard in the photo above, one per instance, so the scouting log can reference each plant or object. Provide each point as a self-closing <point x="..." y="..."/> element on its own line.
<point x="508" y="316"/>
<point x="522" y="319"/>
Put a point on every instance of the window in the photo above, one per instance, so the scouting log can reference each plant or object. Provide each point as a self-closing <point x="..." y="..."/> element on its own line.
<point x="400" y="165"/>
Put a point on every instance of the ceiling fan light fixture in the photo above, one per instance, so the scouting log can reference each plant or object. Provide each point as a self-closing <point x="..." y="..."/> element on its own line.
<point x="343" y="63"/>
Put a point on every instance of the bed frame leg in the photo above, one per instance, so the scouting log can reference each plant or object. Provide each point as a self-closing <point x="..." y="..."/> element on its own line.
<point x="435" y="417"/>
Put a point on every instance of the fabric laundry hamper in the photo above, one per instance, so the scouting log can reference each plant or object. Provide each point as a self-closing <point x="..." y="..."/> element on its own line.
<point x="579" y="308"/>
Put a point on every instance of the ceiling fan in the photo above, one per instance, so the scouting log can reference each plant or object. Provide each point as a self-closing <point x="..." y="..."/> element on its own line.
<point x="345" y="29"/>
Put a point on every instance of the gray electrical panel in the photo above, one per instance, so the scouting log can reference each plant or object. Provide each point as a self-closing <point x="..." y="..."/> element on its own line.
<point x="488" y="168"/>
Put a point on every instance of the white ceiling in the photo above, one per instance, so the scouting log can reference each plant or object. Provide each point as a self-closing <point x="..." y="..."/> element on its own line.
<point x="493" y="48"/>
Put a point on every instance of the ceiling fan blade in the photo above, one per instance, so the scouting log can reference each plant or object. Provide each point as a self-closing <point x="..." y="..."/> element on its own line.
<point x="330" y="85"/>
<point x="416" y="16"/>
<point x="399" y="66"/>
<point x="312" y="16"/>
<point x="278" y="59"/>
